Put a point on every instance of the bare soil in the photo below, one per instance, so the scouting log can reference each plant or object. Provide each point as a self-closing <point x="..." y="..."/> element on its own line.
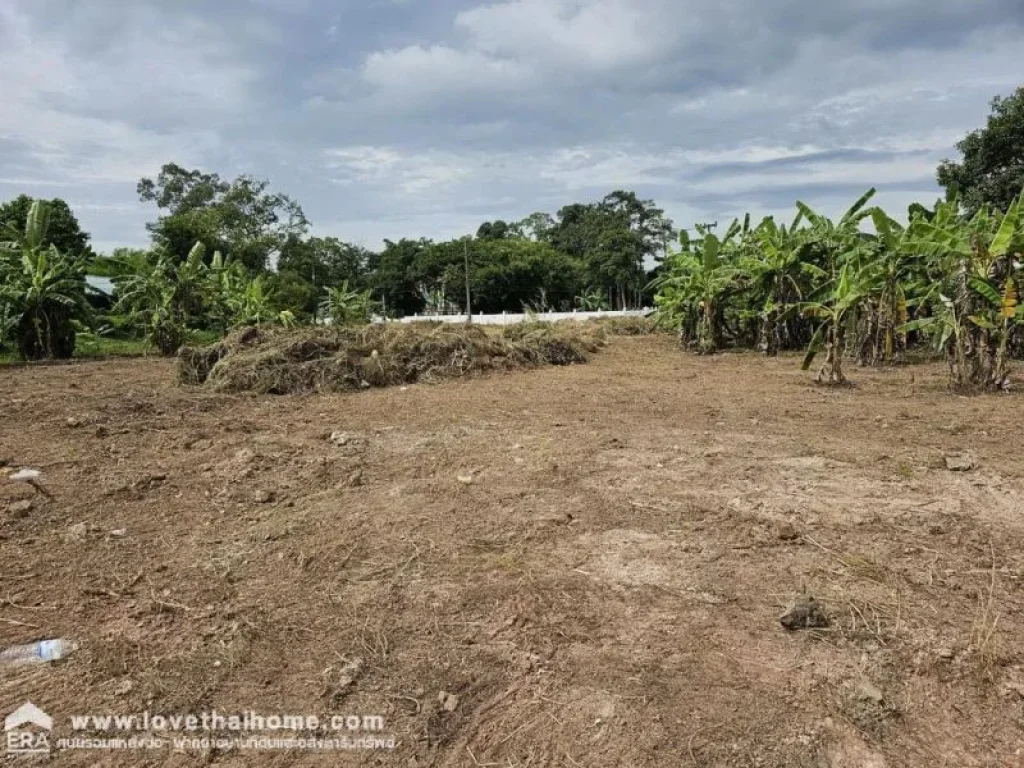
<point x="581" y="566"/>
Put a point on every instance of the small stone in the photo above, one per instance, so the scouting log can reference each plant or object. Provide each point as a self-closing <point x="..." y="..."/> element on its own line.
<point x="355" y="478"/>
<point x="466" y="479"/>
<point x="868" y="691"/>
<point x="348" y="674"/>
<point x="124" y="687"/>
<point x="786" y="532"/>
<point x="78" y="531"/>
<point x="340" y="438"/>
<point x="119" y="533"/>
<point x="804" y="613"/>
<point x="555" y="519"/>
<point x="945" y="654"/>
<point x="961" y="462"/>
<point x="263" y="497"/>
<point x="21" y="508"/>
<point x="449" y="701"/>
<point x="73" y="422"/>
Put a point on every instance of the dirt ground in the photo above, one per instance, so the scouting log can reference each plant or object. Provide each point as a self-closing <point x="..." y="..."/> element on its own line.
<point x="579" y="566"/>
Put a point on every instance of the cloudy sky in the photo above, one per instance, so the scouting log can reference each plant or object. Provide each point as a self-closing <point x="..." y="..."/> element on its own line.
<point x="392" y="118"/>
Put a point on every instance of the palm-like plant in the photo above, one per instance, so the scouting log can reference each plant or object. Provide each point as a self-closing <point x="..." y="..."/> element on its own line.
<point x="900" y="278"/>
<point x="778" y="273"/>
<point x="975" y="308"/>
<point x="591" y="300"/>
<point x="250" y="302"/>
<point x="852" y="275"/>
<point x="42" y="292"/>
<point x="838" y="300"/>
<point x="692" y="292"/>
<point x="345" y="306"/>
<point x="162" y="297"/>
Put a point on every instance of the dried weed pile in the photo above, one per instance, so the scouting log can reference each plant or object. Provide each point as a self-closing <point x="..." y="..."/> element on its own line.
<point x="632" y="326"/>
<point x="329" y="359"/>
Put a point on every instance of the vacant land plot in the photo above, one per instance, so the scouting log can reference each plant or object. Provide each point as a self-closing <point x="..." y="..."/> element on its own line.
<point x="579" y="566"/>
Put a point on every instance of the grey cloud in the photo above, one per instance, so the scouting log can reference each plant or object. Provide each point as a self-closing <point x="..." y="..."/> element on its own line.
<point x="391" y="119"/>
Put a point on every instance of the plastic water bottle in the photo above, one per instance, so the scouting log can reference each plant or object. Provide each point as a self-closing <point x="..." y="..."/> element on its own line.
<point x="36" y="653"/>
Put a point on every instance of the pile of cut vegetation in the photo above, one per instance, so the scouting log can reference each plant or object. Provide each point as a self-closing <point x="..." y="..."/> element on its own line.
<point x="635" y="325"/>
<point x="342" y="359"/>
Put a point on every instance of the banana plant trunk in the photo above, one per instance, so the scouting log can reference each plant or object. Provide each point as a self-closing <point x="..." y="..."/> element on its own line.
<point x="832" y="371"/>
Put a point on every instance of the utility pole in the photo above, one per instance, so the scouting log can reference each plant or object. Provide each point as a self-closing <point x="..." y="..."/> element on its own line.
<point x="469" y="308"/>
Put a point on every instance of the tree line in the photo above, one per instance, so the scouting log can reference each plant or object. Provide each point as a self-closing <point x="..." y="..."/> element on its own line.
<point x="228" y="252"/>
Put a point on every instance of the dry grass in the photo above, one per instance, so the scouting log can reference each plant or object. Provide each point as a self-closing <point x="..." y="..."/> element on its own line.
<point x="329" y="359"/>
<point x="632" y="326"/>
<point x="986" y="622"/>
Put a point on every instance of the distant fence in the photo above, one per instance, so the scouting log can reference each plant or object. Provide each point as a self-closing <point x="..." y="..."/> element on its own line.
<point x="511" y="318"/>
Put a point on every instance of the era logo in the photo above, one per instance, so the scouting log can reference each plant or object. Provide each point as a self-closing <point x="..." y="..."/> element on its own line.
<point x="27" y="730"/>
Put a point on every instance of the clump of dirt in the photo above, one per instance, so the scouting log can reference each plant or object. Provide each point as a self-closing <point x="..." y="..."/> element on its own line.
<point x="341" y="359"/>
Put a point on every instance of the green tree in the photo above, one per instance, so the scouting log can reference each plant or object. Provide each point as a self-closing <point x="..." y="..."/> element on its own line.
<point x="512" y="274"/>
<point x="395" y="276"/>
<point x="250" y="300"/>
<point x="775" y="262"/>
<point x="838" y="300"/>
<point x="992" y="169"/>
<point x="643" y="218"/>
<point x="240" y="218"/>
<point x="692" y="292"/>
<point x="344" y="306"/>
<point x="536" y="226"/>
<point x="291" y="291"/>
<point x="324" y="261"/>
<point x="42" y="291"/>
<point x="121" y="261"/>
<point x="63" y="230"/>
<point x="975" y="308"/>
<point x="613" y="238"/>
<point x="164" y="297"/>
<point x="850" y="277"/>
<point x="494" y="230"/>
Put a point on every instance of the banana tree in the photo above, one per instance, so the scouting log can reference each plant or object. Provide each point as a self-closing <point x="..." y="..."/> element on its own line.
<point x="777" y="273"/>
<point x="250" y="302"/>
<point x="344" y="306"/>
<point x="848" y="277"/>
<point x="42" y="292"/>
<point x="164" y="298"/>
<point x="901" y="279"/>
<point x="839" y="300"/>
<point x="696" y="282"/>
<point x="975" y="309"/>
<point x="591" y="300"/>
